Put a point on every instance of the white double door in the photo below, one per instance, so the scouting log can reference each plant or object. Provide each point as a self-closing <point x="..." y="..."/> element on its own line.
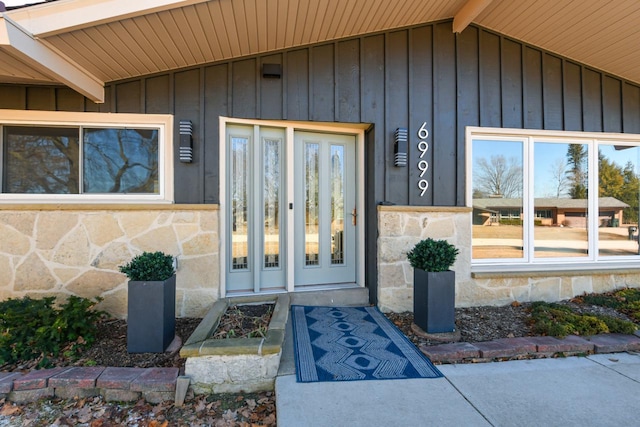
<point x="290" y="208"/>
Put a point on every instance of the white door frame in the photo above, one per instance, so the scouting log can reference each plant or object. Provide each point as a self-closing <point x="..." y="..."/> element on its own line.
<point x="291" y="127"/>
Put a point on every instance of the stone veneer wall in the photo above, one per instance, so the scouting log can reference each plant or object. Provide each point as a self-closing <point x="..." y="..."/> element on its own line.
<point x="60" y="250"/>
<point x="401" y="227"/>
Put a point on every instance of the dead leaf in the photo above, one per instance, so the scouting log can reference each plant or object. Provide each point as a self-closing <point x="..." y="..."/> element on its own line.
<point x="8" y="410"/>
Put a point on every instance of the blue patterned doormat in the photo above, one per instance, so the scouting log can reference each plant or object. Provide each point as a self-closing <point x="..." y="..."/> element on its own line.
<point x="353" y="343"/>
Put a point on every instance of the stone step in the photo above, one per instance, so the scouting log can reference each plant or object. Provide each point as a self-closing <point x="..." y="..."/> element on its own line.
<point x="332" y="298"/>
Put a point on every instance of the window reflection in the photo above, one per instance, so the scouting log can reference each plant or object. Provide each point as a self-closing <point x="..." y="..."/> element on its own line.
<point x="312" y="205"/>
<point x="337" y="204"/>
<point x="560" y="226"/>
<point x="239" y="200"/>
<point x="120" y="161"/>
<point x="618" y="191"/>
<point x="497" y="199"/>
<point x="41" y="160"/>
<point x="272" y="202"/>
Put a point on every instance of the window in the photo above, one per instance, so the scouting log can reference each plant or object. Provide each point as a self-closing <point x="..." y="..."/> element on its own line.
<point x="79" y="156"/>
<point x="542" y="197"/>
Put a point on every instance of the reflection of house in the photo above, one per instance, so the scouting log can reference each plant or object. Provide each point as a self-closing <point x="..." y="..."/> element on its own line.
<point x="548" y="211"/>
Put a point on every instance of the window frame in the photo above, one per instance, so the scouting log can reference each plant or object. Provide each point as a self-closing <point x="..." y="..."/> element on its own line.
<point x="162" y="122"/>
<point x="594" y="261"/>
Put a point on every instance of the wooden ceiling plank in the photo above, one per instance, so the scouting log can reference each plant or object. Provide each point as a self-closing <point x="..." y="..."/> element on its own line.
<point x="206" y="38"/>
<point x="219" y="27"/>
<point x="188" y="32"/>
<point x="153" y="58"/>
<point x="90" y="55"/>
<point x="228" y="20"/>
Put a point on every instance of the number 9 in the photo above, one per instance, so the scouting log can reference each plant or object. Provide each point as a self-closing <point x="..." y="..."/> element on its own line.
<point x="423" y="185"/>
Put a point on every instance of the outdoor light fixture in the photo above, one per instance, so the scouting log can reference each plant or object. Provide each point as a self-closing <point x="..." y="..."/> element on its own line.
<point x="186" y="141"/>
<point x="400" y="147"/>
<point x="273" y="71"/>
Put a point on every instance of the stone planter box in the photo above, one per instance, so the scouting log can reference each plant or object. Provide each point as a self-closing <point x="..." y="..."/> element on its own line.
<point x="235" y="364"/>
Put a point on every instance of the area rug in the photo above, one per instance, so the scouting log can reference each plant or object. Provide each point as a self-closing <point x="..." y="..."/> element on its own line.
<point x="353" y="343"/>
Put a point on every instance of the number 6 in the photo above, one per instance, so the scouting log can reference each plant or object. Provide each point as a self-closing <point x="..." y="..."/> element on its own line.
<point x="423" y="133"/>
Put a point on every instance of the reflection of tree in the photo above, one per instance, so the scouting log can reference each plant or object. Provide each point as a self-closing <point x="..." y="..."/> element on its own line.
<point x="41" y="160"/>
<point x="272" y="184"/>
<point x="559" y="179"/>
<point x="498" y="176"/>
<point x="120" y="160"/>
<point x="577" y="173"/>
<point x="621" y="183"/>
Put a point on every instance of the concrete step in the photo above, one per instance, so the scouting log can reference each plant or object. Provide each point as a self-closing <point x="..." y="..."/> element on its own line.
<point x="332" y="298"/>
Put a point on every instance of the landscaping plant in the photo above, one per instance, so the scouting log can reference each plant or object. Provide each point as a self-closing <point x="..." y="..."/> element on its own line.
<point x="559" y="321"/>
<point x="35" y="328"/>
<point x="626" y="301"/>
<point x="149" y="267"/>
<point x="432" y="255"/>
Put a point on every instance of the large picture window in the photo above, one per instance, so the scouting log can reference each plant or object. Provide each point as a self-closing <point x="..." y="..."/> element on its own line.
<point x="85" y="159"/>
<point x="553" y="198"/>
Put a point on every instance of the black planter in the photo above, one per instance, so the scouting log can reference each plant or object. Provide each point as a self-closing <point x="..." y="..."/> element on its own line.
<point x="151" y="319"/>
<point x="434" y="300"/>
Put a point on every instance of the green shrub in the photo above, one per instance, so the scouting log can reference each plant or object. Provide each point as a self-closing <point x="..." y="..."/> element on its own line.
<point x="559" y="321"/>
<point x="149" y="266"/>
<point x="432" y="255"/>
<point x="32" y="328"/>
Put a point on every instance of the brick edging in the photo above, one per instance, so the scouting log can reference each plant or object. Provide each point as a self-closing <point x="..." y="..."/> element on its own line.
<point x="529" y="347"/>
<point x="155" y="385"/>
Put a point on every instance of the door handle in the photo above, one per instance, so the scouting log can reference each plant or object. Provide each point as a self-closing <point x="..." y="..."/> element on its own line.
<point x="354" y="216"/>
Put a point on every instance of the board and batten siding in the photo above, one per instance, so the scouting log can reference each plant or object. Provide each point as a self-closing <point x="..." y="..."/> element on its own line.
<point x="398" y="78"/>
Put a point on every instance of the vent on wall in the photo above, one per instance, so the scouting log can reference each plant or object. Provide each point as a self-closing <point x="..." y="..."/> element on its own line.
<point x="271" y="71"/>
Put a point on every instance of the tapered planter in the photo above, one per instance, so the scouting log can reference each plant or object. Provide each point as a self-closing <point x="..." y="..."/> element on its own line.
<point x="151" y="321"/>
<point x="434" y="296"/>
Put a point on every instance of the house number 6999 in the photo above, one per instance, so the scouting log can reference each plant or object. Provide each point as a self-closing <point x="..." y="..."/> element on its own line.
<point x="423" y="165"/>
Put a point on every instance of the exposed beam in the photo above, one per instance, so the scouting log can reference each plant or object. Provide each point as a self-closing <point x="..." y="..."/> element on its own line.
<point x="467" y="13"/>
<point x="48" y="19"/>
<point x="17" y="42"/>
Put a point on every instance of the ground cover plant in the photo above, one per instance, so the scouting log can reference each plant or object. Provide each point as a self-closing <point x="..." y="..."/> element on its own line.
<point x="626" y="301"/>
<point x="37" y="329"/>
<point x="560" y="320"/>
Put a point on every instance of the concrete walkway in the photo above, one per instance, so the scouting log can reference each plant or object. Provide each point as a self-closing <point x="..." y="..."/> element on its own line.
<point x="598" y="390"/>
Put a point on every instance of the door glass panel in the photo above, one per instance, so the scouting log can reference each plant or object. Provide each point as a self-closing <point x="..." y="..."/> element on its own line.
<point x="271" y="203"/>
<point x="239" y="200"/>
<point x="312" y="192"/>
<point x="497" y="199"/>
<point x="337" y="204"/>
<point x="618" y="196"/>
<point x="560" y="200"/>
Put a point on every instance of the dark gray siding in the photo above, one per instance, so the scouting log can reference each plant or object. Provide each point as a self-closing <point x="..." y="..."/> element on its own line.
<point x="399" y="78"/>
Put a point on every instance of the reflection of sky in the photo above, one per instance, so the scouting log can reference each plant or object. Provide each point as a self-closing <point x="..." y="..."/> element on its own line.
<point x="546" y="155"/>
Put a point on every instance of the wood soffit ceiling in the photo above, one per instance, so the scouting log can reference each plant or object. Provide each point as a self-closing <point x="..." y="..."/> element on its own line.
<point x="167" y="34"/>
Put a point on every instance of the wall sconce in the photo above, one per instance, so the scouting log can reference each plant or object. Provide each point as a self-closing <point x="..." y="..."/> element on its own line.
<point x="186" y="141"/>
<point x="271" y="71"/>
<point x="400" y="147"/>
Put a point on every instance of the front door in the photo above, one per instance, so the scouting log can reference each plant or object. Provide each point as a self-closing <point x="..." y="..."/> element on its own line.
<point x="326" y="218"/>
<point x="290" y="208"/>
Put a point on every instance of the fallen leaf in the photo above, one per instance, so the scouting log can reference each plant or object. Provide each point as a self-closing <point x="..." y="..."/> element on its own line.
<point x="9" y="410"/>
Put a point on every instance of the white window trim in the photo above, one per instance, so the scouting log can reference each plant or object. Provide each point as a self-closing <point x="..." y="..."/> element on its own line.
<point x="163" y="122"/>
<point x="592" y="263"/>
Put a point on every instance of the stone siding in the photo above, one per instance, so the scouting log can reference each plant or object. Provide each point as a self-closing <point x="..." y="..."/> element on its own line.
<point x="401" y="227"/>
<point x="61" y="250"/>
